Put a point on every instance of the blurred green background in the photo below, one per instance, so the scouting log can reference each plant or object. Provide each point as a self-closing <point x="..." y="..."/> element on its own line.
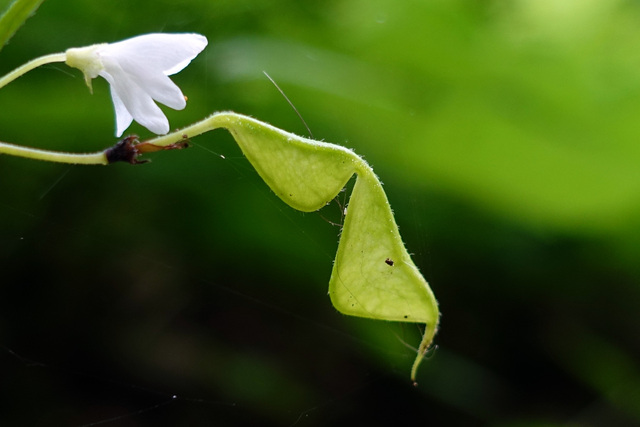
<point x="508" y="138"/>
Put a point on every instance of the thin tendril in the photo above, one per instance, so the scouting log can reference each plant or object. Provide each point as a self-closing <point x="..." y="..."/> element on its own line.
<point x="290" y="103"/>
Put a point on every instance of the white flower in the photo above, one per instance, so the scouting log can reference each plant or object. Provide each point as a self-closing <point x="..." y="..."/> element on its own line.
<point x="137" y="70"/>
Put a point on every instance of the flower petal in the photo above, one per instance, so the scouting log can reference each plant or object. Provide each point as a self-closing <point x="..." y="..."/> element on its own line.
<point x="168" y="53"/>
<point x="161" y="88"/>
<point x="134" y="98"/>
<point x="123" y="117"/>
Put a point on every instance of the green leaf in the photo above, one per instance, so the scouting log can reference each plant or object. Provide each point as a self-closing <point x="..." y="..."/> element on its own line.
<point x="373" y="275"/>
<point x="305" y="174"/>
<point x="15" y="15"/>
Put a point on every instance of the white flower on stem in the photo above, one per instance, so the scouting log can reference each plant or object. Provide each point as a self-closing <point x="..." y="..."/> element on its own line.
<point x="137" y="70"/>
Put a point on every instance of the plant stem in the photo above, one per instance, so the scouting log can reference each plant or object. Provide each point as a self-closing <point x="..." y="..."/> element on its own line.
<point x="98" y="158"/>
<point x="214" y="121"/>
<point x="229" y="120"/>
<point x="47" y="59"/>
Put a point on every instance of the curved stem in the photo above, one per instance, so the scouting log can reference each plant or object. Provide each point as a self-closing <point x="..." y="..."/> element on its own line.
<point x="99" y="158"/>
<point x="47" y="59"/>
<point x="36" y="153"/>
<point x="214" y="121"/>
<point x="227" y="120"/>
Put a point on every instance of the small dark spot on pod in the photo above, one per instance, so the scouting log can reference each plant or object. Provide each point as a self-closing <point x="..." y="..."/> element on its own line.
<point x="389" y="261"/>
<point x="406" y="316"/>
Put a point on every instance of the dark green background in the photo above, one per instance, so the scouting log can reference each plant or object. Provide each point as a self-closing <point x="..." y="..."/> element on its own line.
<point x="508" y="138"/>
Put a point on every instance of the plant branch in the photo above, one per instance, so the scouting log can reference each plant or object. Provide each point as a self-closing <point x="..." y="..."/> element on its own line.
<point x="99" y="158"/>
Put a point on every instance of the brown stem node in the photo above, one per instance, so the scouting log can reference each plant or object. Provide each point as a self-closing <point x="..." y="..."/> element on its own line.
<point x="125" y="150"/>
